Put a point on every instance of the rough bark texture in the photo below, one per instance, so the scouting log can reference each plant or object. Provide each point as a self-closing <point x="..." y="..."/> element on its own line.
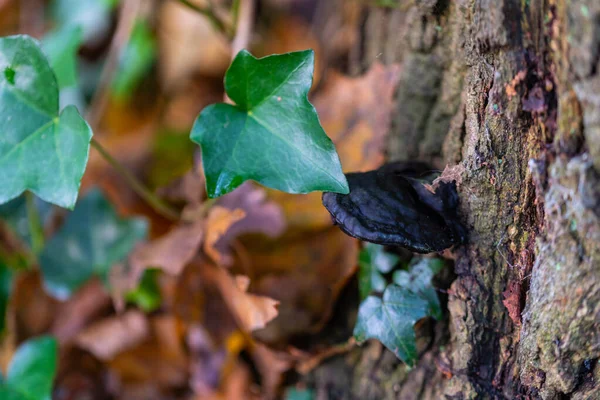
<point x="509" y="90"/>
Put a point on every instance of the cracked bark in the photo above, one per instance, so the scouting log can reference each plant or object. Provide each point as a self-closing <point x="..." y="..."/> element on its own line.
<point x="509" y="89"/>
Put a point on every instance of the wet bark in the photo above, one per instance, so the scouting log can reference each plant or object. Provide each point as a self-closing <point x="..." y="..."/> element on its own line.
<point x="508" y="90"/>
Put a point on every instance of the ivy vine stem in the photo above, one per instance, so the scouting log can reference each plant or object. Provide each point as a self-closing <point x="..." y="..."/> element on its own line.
<point x="153" y="201"/>
<point x="209" y="13"/>
<point x="36" y="228"/>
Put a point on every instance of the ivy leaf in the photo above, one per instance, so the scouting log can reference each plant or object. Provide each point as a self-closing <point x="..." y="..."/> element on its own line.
<point x="373" y="261"/>
<point x="135" y="61"/>
<point x="91" y="241"/>
<point x="418" y="280"/>
<point x="61" y="46"/>
<point x="6" y="282"/>
<point x="272" y="135"/>
<point x="32" y="370"/>
<point x="40" y="150"/>
<point x="391" y="319"/>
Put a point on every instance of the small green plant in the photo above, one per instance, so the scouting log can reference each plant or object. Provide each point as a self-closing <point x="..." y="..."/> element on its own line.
<point x="388" y="312"/>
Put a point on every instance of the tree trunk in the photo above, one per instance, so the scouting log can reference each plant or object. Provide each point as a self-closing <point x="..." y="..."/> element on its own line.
<point x="508" y="90"/>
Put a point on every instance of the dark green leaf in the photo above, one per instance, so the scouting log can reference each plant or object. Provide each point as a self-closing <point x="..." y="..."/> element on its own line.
<point x="91" y="241"/>
<point x="418" y="280"/>
<point x="273" y="135"/>
<point x="61" y="46"/>
<point x="373" y="261"/>
<point x="6" y="280"/>
<point x="391" y="321"/>
<point x="40" y="150"/>
<point x="32" y="370"/>
<point x="135" y="61"/>
<point x="147" y="295"/>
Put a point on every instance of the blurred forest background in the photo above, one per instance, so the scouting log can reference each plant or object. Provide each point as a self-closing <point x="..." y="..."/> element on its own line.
<point x="258" y="297"/>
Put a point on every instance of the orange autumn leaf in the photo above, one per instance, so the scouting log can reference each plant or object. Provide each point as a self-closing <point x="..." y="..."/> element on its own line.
<point x="251" y="311"/>
<point x="306" y="274"/>
<point x="219" y="220"/>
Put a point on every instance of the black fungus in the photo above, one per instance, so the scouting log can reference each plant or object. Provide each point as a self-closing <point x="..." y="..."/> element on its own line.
<point x="389" y="206"/>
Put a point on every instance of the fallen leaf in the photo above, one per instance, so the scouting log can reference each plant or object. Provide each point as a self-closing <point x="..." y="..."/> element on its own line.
<point x="189" y="44"/>
<point x="72" y="316"/>
<point x="160" y="361"/>
<point x="356" y="115"/>
<point x="251" y="311"/>
<point x="262" y="216"/>
<point x="306" y="274"/>
<point x="171" y="252"/>
<point x="111" y="336"/>
<point x="218" y="222"/>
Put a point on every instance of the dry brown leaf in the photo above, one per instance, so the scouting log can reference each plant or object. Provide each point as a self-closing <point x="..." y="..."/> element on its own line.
<point x="161" y="360"/>
<point x="356" y="114"/>
<point x="111" y="336"/>
<point x="171" y="252"/>
<point x="262" y="216"/>
<point x="218" y="222"/>
<point x="306" y="274"/>
<point x="88" y="303"/>
<point x="189" y="44"/>
<point x="251" y="311"/>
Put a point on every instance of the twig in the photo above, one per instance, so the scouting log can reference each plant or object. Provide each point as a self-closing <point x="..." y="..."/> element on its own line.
<point x="209" y="12"/>
<point x="36" y="230"/>
<point x="125" y="25"/>
<point x="156" y="203"/>
<point x="243" y="26"/>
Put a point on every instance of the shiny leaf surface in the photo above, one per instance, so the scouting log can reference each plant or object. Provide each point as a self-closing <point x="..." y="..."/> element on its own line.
<point x="40" y="150"/>
<point x="272" y="135"/>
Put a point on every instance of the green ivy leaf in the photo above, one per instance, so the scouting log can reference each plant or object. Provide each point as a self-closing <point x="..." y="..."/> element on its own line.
<point x="373" y="261"/>
<point x="147" y="295"/>
<point x="6" y="281"/>
<point x="32" y="370"/>
<point x="91" y="241"/>
<point x="391" y="319"/>
<point x="135" y="61"/>
<point x="418" y="280"/>
<point x="61" y="46"/>
<point x="272" y="135"/>
<point x="40" y="150"/>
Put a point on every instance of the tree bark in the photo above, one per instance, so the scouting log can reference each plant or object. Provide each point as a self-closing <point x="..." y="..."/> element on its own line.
<point x="509" y="91"/>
